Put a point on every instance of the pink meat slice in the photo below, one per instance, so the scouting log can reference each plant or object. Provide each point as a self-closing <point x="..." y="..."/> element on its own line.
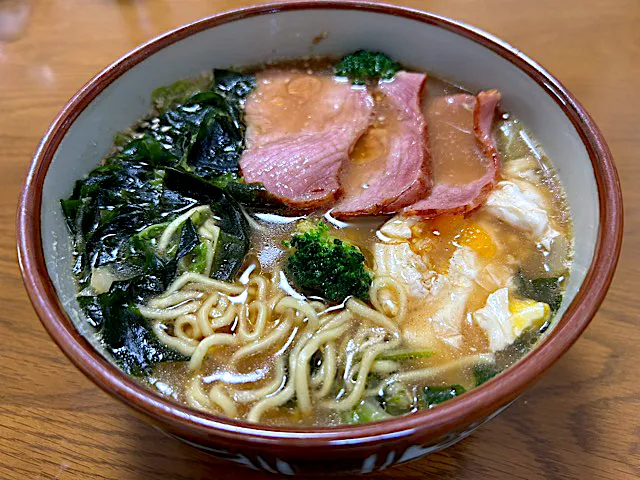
<point x="389" y="168"/>
<point x="461" y="146"/>
<point x="300" y="129"/>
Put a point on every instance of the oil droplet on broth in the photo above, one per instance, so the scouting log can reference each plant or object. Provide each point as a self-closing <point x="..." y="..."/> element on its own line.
<point x="277" y="101"/>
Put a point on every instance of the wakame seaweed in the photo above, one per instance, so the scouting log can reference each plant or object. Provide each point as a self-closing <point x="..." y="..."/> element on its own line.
<point x="433" y="395"/>
<point x="123" y="214"/>
<point x="233" y="238"/>
<point x="184" y="158"/>
<point x="483" y="372"/>
<point x="169" y="96"/>
<point x="204" y="132"/>
<point x="547" y="290"/>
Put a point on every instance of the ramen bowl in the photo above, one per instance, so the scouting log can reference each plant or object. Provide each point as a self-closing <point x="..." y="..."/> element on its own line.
<point x="82" y="134"/>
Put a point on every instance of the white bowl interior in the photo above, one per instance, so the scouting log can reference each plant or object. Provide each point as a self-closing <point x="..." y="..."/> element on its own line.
<point x="289" y="35"/>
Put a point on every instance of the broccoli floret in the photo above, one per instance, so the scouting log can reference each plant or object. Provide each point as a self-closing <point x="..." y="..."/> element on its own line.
<point x="363" y="65"/>
<point x="323" y="265"/>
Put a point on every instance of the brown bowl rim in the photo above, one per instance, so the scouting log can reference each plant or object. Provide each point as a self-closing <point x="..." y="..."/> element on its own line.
<point x="475" y="404"/>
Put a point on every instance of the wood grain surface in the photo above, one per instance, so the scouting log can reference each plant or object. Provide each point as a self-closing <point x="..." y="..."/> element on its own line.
<point x="581" y="421"/>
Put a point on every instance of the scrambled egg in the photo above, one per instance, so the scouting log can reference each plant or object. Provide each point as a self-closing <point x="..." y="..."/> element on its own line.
<point x="504" y="319"/>
<point x="443" y="262"/>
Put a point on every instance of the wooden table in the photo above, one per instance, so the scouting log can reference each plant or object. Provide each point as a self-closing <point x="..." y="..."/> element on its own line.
<point x="581" y="421"/>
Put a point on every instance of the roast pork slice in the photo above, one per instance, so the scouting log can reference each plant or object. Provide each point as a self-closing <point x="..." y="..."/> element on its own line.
<point x="465" y="162"/>
<point x="300" y="130"/>
<point x="389" y="167"/>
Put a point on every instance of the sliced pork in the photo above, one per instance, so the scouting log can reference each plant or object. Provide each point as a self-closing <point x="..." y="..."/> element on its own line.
<point x="465" y="161"/>
<point x="300" y="129"/>
<point x="389" y="167"/>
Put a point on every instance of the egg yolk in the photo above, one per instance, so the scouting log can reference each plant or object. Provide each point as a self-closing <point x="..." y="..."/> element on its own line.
<point x="439" y="238"/>
<point x="477" y="238"/>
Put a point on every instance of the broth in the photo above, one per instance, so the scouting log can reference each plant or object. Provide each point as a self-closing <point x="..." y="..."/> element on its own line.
<point x="451" y="300"/>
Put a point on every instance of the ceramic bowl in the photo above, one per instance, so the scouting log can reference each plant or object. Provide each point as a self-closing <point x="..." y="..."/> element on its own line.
<point x="82" y="133"/>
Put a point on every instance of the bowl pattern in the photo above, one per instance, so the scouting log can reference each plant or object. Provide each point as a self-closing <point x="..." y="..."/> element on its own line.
<point x="383" y="456"/>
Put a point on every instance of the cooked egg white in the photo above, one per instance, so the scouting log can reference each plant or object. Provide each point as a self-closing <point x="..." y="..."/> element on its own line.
<point x="398" y="228"/>
<point x="504" y="319"/>
<point x="520" y="205"/>
<point x="398" y="261"/>
<point x="453" y="295"/>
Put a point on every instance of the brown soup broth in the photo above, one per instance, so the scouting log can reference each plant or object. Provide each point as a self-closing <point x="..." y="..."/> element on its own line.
<point x="437" y="238"/>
